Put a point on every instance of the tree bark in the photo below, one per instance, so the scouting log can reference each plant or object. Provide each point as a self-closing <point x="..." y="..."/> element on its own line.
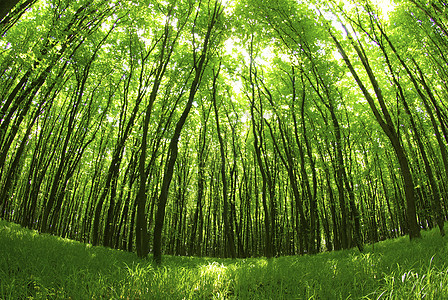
<point x="6" y="6"/>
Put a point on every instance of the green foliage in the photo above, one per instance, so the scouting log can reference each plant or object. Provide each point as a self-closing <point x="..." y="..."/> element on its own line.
<point x="78" y="76"/>
<point x="40" y="266"/>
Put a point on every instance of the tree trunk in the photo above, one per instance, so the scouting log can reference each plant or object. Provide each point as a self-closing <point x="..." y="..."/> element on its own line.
<point x="173" y="146"/>
<point x="389" y="130"/>
<point x="228" y="230"/>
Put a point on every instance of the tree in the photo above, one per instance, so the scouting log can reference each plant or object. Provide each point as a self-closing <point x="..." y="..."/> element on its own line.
<point x="228" y="229"/>
<point x="199" y="64"/>
<point x="387" y="125"/>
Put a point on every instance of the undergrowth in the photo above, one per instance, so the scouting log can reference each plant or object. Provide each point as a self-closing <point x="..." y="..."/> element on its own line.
<point x="40" y="266"/>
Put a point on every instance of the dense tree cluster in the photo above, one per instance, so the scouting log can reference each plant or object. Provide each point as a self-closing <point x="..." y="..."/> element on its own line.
<point x="235" y="129"/>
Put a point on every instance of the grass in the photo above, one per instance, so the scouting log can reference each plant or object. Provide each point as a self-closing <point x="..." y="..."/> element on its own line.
<point x="40" y="266"/>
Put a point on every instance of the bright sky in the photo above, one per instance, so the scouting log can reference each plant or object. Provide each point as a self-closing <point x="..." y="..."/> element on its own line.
<point x="232" y="47"/>
<point x="386" y="6"/>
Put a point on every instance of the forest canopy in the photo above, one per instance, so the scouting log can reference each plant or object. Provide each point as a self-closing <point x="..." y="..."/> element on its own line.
<point x="224" y="128"/>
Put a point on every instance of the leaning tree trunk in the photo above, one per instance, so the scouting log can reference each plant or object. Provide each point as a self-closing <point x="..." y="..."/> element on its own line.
<point x="387" y="125"/>
<point x="173" y="148"/>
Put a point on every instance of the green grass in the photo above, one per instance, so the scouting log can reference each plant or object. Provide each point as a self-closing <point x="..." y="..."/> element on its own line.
<point x="40" y="266"/>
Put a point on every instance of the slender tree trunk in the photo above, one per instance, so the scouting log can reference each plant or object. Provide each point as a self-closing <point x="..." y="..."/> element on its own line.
<point x="10" y="12"/>
<point x="197" y="218"/>
<point x="173" y="146"/>
<point x="389" y="130"/>
<point x="230" y="240"/>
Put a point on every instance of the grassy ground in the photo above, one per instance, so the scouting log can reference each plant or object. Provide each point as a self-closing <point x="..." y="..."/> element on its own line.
<point x="39" y="266"/>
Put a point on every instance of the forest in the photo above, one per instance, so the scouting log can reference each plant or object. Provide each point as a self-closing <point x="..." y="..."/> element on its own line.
<point x="224" y="128"/>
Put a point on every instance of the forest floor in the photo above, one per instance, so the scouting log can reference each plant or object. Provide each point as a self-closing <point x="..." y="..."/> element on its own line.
<point x="40" y="266"/>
